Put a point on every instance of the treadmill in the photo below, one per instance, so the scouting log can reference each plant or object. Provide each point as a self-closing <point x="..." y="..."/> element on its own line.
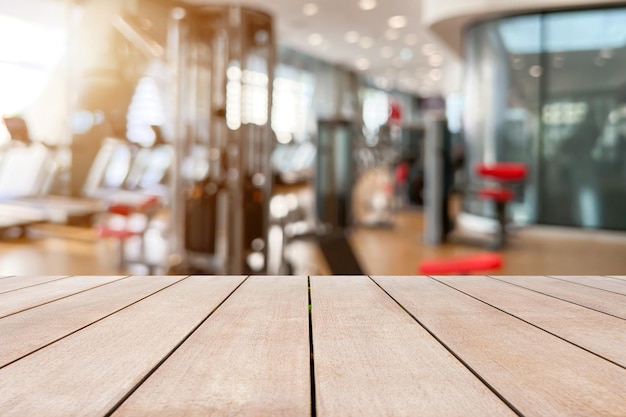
<point x="24" y="173"/>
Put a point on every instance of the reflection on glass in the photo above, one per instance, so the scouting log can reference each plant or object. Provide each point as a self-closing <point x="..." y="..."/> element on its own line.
<point x="560" y="79"/>
<point x="584" y="182"/>
<point x="502" y="109"/>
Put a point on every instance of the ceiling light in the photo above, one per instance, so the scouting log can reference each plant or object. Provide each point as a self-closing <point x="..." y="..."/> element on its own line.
<point x="315" y="39"/>
<point x="392" y="34"/>
<point x="366" y="42"/>
<point x="535" y="71"/>
<point x="429" y="49"/>
<point x="310" y="9"/>
<point x="362" y="64"/>
<point x="367" y="4"/>
<point x="397" y="22"/>
<point x="411" y="39"/>
<point x="352" y="37"/>
<point x="435" y="74"/>
<point x="386" y="52"/>
<point x="406" y="54"/>
<point x="435" y="60"/>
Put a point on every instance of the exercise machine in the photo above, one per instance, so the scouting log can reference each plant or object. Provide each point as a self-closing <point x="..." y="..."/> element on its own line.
<point x="222" y="60"/>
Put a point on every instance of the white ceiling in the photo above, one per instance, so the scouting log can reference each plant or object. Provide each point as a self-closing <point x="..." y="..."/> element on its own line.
<point x="415" y="61"/>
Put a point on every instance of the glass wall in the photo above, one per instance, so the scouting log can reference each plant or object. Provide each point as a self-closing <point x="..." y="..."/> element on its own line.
<point x="549" y="90"/>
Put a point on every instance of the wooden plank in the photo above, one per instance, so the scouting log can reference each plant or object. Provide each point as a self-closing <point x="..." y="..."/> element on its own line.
<point x="89" y="372"/>
<point x="596" y="299"/>
<point x="32" y="329"/>
<point x="19" y="282"/>
<point x="602" y="283"/>
<point x="372" y="358"/>
<point x="622" y="277"/>
<point x="538" y="373"/>
<point x="602" y="334"/>
<point x="29" y="297"/>
<point x="251" y="358"/>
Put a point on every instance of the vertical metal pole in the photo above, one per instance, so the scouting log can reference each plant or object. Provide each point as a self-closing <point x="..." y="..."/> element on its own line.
<point x="68" y="129"/>
<point x="235" y="170"/>
<point x="268" y="138"/>
<point x="434" y="187"/>
<point x="175" y="58"/>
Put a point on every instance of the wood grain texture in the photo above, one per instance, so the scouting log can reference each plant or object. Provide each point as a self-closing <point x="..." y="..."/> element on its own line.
<point x="602" y="283"/>
<point x="622" y="277"/>
<point x="536" y="372"/>
<point x="251" y="358"/>
<point x="29" y="330"/>
<point x="16" y="283"/>
<point x="29" y="297"/>
<point x="602" y="334"/>
<point x="373" y="359"/>
<point x="606" y="302"/>
<point x="87" y="373"/>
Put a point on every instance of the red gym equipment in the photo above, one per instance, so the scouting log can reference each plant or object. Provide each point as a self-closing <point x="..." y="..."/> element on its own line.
<point x="147" y="207"/>
<point x="505" y="174"/>
<point x="464" y="266"/>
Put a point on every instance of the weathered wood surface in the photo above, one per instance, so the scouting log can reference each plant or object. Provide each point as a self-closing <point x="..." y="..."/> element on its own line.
<point x="32" y="329"/>
<point x="592" y="330"/>
<point x="538" y="373"/>
<point x="89" y="372"/>
<point x="372" y="359"/>
<point x="396" y="346"/>
<point x="594" y="298"/>
<point x="251" y="358"/>
<point x="33" y="296"/>
<point x="604" y="283"/>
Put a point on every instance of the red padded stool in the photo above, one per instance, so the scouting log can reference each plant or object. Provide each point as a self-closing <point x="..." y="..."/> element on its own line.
<point x="464" y="266"/>
<point x="146" y="207"/>
<point x="504" y="173"/>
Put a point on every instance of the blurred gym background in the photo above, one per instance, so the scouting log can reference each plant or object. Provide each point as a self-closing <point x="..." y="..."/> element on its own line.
<point x="309" y="137"/>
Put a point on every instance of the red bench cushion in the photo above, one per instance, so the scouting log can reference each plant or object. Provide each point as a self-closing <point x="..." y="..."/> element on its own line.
<point x="127" y="209"/>
<point x="510" y="171"/>
<point x="498" y="194"/>
<point x="475" y="263"/>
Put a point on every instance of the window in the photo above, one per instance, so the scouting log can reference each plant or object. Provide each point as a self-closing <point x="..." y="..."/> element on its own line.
<point x="375" y="111"/>
<point x="29" y="53"/>
<point x="292" y="101"/>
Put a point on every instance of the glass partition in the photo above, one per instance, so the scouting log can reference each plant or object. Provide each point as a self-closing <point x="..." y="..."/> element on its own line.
<point x="549" y="90"/>
<point x="583" y="156"/>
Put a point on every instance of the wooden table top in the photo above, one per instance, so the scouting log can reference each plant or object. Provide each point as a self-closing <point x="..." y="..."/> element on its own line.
<point x="321" y="346"/>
